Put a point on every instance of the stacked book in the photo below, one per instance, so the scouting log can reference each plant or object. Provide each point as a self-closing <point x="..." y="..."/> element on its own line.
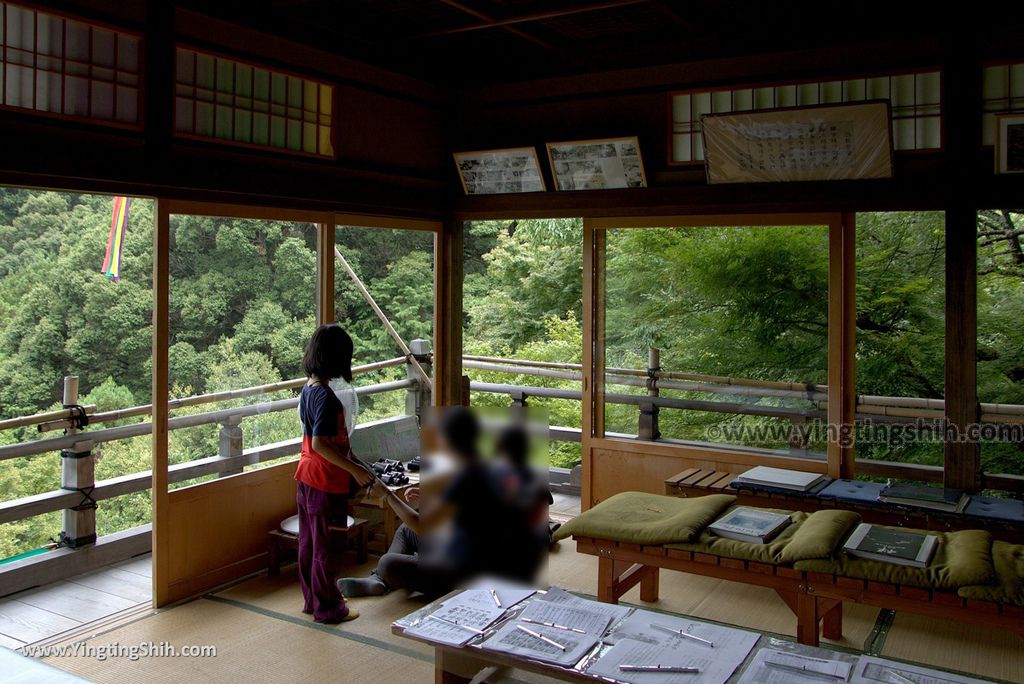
<point x="920" y="496"/>
<point x="885" y="544"/>
<point x="751" y="525"/>
<point x="779" y="478"/>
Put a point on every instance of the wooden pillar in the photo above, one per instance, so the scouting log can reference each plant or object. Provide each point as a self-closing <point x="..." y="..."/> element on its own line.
<point x="962" y="466"/>
<point x="962" y="76"/>
<point x="448" y="274"/>
<point x="592" y="404"/>
<point x="325" y="271"/>
<point x="161" y="309"/>
<point x="842" y="322"/>
<point x="647" y="428"/>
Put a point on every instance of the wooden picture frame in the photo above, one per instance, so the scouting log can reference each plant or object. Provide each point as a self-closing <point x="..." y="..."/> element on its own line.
<point x="598" y="164"/>
<point x="1009" y="143"/>
<point x="505" y="171"/>
<point x="814" y="143"/>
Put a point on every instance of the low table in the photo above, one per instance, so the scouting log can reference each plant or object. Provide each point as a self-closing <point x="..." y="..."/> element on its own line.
<point x="390" y="519"/>
<point x="1004" y="518"/>
<point x="460" y="664"/>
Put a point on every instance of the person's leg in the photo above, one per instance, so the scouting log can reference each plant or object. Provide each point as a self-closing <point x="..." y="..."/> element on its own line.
<point x="403" y="546"/>
<point x="328" y="605"/>
<point x="406" y="542"/>
<point x="305" y="550"/>
<point x="397" y="570"/>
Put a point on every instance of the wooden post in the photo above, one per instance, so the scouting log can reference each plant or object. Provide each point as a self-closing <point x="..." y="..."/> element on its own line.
<point x="448" y="274"/>
<point x="842" y="321"/>
<point x="592" y="419"/>
<point x="161" y="309"/>
<point x="416" y="398"/>
<point x="325" y="271"/>
<point x="962" y="75"/>
<point x="230" y="444"/>
<point x="648" y="423"/>
<point x="77" y="472"/>
<point x="962" y="467"/>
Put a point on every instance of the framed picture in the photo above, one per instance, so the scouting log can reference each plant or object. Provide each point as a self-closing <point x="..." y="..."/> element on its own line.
<point x="597" y="164"/>
<point x="1009" y="143"/>
<point x="830" y="142"/>
<point x="498" y="172"/>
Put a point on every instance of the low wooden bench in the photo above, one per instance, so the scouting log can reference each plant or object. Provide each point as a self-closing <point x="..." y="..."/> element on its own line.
<point x="1004" y="518"/>
<point x="815" y="598"/>
<point x="342" y="538"/>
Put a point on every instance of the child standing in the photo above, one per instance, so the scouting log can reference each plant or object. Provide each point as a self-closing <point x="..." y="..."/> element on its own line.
<point x="325" y="471"/>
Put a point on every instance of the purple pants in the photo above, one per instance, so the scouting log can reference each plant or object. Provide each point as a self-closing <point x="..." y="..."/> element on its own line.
<point x="316" y="509"/>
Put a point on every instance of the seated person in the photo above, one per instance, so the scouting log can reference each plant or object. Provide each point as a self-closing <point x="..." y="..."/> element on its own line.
<point x="459" y="532"/>
<point x="526" y="493"/>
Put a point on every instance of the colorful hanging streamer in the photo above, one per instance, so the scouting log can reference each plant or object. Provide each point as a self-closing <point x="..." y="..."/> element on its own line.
<point x="118" y="225"/>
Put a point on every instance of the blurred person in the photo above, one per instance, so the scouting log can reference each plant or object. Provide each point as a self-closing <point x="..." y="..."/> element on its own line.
<point x="526" y="495"/>
<point x="325" y="471"/>
<point x="458" y="532"/>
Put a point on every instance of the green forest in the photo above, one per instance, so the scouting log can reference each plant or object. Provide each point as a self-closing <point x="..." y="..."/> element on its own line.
<point x="739" y="302"/>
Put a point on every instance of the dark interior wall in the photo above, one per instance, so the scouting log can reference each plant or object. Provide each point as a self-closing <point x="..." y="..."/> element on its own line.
<point x="389" y="133"/>
<point x="637" y="102"/>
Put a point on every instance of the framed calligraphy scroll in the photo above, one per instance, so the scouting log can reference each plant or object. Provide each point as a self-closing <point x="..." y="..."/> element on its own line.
<point x="832" y="142"/>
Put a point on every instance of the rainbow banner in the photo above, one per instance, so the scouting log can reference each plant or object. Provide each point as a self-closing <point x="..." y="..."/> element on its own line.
<point x="118" y="225"/>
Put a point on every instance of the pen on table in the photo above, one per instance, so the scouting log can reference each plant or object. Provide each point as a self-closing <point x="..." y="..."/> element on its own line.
<point x="494" y="595"/>
<point x="902" y="679"/>
<point x="659" y="668"/>
<point x="456" y="624"/>
<point x="540" y="636"/>
<point x="802" y="669"/>
<point x="552" y="624"/>
<point x="685" y="635"/>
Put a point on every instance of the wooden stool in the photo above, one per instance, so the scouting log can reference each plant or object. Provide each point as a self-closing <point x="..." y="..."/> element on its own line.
<point x="279" y="541"/>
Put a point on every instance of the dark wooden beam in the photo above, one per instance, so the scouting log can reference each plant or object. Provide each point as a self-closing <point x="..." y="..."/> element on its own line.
<point x="510" y="29"/>
<point x="531" y="18"/>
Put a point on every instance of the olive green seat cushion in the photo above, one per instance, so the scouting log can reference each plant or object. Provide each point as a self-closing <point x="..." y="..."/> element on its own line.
<point x="814" y="535"/>
<point x="962" y="558"/>
<point x="641" y="518"/>
<point x="1008" y="587"/>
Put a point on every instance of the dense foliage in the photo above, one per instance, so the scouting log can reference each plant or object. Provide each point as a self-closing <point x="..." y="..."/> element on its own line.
<point x="739" y="302"/>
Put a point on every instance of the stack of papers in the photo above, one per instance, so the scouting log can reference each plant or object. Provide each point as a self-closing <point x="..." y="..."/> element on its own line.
<point x="648" y="638"/>
<point x="561" y="630"/>
<point x="778" y="667"/>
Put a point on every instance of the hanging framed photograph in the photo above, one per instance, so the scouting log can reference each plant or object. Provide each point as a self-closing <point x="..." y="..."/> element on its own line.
<point x="815" y="143"/>
<point x="499" y="172"/>
<point x="1009" y="143"/>
<point x="597" y="164"/>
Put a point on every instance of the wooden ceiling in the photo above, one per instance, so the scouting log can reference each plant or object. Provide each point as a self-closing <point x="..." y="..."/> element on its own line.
<point x="463" y="42"/>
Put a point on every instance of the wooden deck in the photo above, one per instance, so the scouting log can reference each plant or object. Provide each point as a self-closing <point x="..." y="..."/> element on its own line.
<point x="44" y="612"/>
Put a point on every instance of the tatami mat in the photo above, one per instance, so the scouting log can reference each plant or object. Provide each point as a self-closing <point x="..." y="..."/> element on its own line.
<point x="250" y="647"/>
<point x="957" y="646"/>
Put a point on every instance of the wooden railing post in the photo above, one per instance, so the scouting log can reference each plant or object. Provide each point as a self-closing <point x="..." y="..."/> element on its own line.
<point x="230" y="444"/>
<point x="418" y="397"/>
<point x="648" y="424"/>
<point x="77" y="473"/>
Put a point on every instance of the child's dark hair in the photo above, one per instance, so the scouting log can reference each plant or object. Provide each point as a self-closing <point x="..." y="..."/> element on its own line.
<point x="514" y="444"/>
<point x="328" y="354"/>
<point x="461" y="430"/>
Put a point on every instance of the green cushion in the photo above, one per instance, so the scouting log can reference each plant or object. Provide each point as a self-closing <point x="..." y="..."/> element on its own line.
<point x="640" y="518"/>
<point x="962" y="558"/>
<point x="1008" y="560"/>
<point x="709" y="542"/>
<point x="820" y="536"/>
